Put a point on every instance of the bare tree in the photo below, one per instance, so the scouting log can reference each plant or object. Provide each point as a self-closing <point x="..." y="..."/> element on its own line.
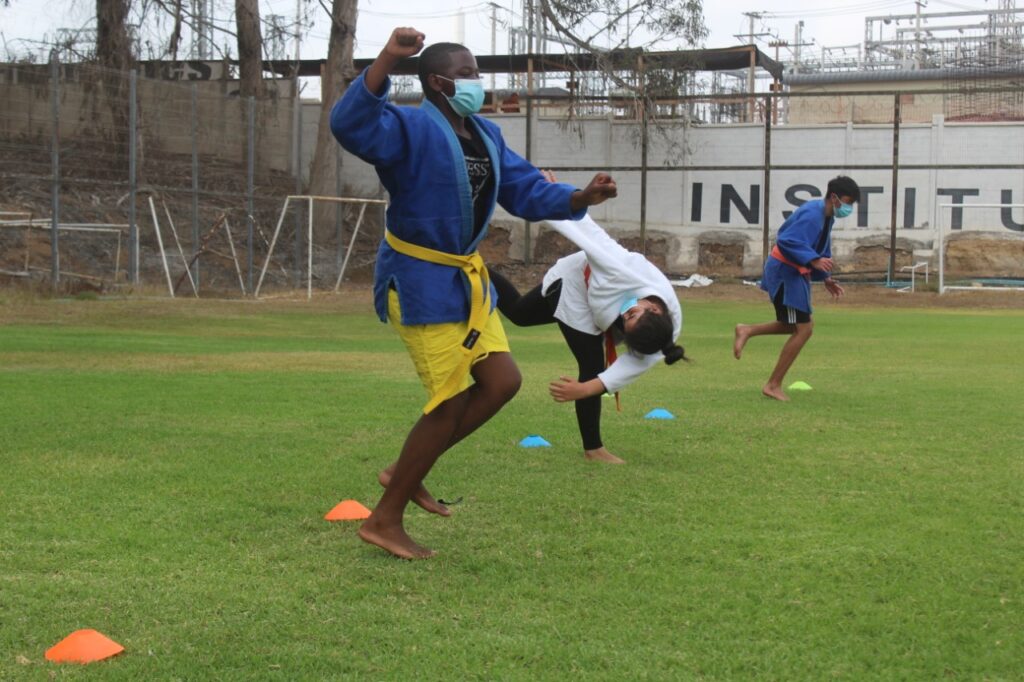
<point x="636" y="23"/>
<point x="631" y="23"/>
<point x="113" y="44"/>
<point x="250" y="48"/>
<point x="175" y="40"/>
<point x="338" y="72"/>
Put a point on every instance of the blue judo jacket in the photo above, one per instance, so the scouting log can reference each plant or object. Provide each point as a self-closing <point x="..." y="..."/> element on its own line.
<point x="805" y="236"/>
<point x="421" y="164"/>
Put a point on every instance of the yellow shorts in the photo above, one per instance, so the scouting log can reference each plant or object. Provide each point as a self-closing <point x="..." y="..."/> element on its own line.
<point x="434" y="348"/>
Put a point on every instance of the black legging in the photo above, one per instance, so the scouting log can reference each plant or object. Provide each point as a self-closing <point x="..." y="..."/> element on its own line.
<point x="534" y="308"/>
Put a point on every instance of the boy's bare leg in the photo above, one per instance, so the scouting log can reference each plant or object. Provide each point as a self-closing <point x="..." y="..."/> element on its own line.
<point x="745" y="331"/>
<point x="794" y="344"/>
<point x="497" y="381"/>
<point x="601" y="454"/>
<point x="421" y="497"/>
<point x="425" y="443"/>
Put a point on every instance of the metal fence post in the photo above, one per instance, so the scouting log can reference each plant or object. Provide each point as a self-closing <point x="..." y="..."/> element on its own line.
<point x="195" y="182"/>
<point x="641" y="71"/>
<point x="297" y="157"/>
<point x="133" y="228"/>
<point x="250" y="181"/>
<point x="895" y="184"/>
<point x="55" y="169"/>
<point x="765" y="227"/>
<point x="527" y="245"/>
<point x="339" y="208"/>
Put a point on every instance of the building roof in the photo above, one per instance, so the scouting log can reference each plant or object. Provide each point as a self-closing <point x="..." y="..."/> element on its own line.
<point x="903" y="75"/>
<point x="717" y="59"/>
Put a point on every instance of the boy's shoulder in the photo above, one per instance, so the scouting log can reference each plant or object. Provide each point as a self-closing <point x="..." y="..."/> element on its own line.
<point x="811" y="205"/>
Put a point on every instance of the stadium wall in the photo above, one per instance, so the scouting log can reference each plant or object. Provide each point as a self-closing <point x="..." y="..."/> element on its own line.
<point x="704" y="216"/>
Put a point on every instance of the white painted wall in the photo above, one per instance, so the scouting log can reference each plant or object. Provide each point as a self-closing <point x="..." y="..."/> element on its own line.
<point x="671" y="194"/>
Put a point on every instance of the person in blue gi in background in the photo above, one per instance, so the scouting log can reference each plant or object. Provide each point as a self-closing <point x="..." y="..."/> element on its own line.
<point x="802" y="253"/>
<point x="444" y="169"/>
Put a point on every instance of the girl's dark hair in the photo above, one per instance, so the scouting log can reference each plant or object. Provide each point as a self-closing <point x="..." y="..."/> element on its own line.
<point x="674" y="353"/>
<point x="653" y="333"/>
<point x="436" y="58"/>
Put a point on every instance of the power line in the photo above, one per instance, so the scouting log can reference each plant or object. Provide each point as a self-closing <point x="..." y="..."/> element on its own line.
<point x="840" y="10"/>
<point x="473" y="9"/>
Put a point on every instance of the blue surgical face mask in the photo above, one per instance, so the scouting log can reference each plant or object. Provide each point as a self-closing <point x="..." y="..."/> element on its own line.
<point x="844" y="210"/>
<point x="469" y="96"/>
<point x="627" y="304"/>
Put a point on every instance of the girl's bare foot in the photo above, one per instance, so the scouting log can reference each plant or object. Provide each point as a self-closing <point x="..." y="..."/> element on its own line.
<point x="740" y="340"/>
<point x="602" y="455"/>
<point x="394" y="539"/>
<point x="421" y="497"/>
<point x="775" y="392"/>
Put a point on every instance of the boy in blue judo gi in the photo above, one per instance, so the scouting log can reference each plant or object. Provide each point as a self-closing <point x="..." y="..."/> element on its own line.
<point x="444" y="169"/>
<point x="802" y="253"/>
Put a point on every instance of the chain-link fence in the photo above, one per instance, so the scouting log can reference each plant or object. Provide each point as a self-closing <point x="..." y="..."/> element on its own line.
<point x="112" y="179"/>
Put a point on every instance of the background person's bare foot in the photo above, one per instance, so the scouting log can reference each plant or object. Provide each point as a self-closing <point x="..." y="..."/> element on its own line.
<point x="602" y="455"/>
<point x="394" y="539"/>
<point x="775" y="392"/>
<point x="422" y="497"/>
<point x="740" y="340"/>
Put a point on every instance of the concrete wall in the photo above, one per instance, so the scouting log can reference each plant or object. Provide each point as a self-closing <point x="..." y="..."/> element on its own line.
<point x="705" y="210"/>
<point x="89" y="126"/>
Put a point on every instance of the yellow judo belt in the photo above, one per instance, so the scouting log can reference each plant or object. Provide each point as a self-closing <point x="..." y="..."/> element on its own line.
<point x="479" y="307"/>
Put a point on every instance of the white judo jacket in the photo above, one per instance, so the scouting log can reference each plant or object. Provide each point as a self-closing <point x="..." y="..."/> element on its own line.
<point x="616" y="274"/>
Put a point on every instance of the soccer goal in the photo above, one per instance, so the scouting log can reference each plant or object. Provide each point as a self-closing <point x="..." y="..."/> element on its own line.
<point x="955" y="272"/>
<point x="361" y="203"/>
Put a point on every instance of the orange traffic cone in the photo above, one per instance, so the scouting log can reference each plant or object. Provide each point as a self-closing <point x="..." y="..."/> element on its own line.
<point x="83" y="646"/>
<point x="348" y="510"/>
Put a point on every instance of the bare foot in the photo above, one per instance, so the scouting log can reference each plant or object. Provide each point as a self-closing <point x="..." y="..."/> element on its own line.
<point x="740" y="340"/>
<point x="775" y="392"/>
<point x="602" y="455"/>
<point x="393" y="539"/>
<point x="421" y="497"/>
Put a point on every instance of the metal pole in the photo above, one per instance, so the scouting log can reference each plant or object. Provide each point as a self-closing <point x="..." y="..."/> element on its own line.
<point x="297" y="160"/>
<point x="195" y="181"/>
<point x="767" y="178"/>
<point x="250" y="186"/>
<point x="160" y="243"/>
<point x="339" y="209"/>
<point x="527" y="246"/>
<point x="270" y="249"/>
<point x="309" y="264"/>
<point x="750" y="76"/>
<point x="351" y="244"/>
<point x="643" y="153"/>
<point x="177" y="243"/>
<point x="494" y="47"/>
<point x="133" y="228"/>
<point x="939" y="251"/>
<point x="895" y="184"/>
<point x="55" y="168"/>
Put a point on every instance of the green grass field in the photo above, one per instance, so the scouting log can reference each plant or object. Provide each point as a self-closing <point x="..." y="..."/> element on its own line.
<point x="167" y="466"/>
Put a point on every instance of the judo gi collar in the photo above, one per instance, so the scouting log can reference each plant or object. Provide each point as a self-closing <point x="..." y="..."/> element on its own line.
<point x="462" y="186"/>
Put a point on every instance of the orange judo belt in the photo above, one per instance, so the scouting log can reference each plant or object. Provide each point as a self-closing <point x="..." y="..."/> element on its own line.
<point x="777" y="255"/>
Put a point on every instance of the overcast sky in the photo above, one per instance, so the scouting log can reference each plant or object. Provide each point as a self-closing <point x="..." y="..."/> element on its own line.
<point x="27" y="24"/>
